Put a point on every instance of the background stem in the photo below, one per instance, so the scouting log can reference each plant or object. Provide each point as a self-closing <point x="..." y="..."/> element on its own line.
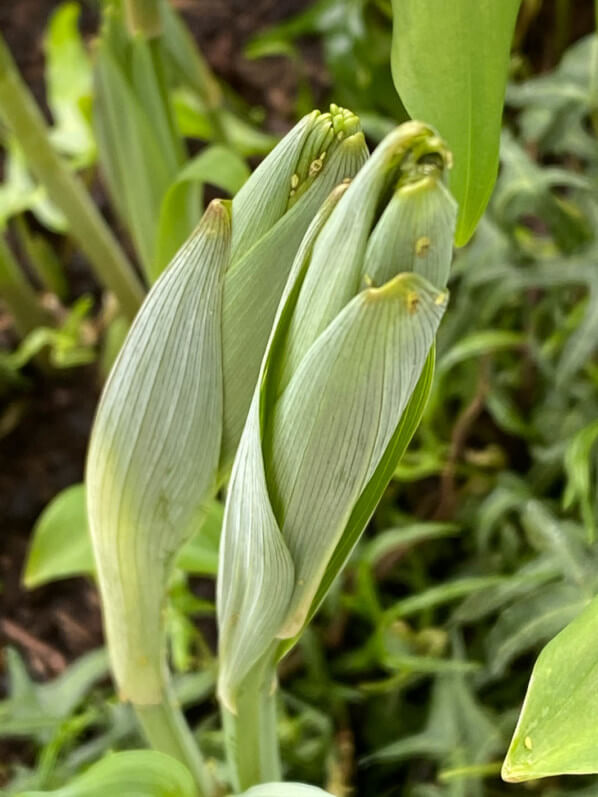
<point x="250" y="735"/>
<point x="86" y="225"/>
<point x="18" y="294"/>
<point x="143" y="17"/>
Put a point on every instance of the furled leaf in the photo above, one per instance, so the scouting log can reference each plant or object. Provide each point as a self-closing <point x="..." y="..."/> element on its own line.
<point x="322" y="462"/>
<point x="161" y="406"/>
<point x="389" y="340"/>
<point x="272" y="212"/>
<point x="450" y="64"/>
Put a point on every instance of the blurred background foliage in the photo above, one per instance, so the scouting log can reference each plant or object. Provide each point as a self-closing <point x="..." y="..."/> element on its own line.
<point x="411" y="677"/>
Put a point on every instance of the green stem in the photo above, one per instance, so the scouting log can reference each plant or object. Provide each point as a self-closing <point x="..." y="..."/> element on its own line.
<point x="593" y="89"/>
<point x="18" y="294"/>
<point x="88" y="228"/>
<point x="167" y="731"/>
<point x="143" y="17"/>
<point x="250" y="734"/>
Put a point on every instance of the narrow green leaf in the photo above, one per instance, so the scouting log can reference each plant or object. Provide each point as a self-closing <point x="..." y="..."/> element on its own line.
<point x="450" y="64"/>
<point x="487" y="341"/>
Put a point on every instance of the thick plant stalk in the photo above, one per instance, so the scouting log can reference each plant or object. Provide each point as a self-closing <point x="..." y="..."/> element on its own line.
<point x="88" y="228"/>
<point x="144" y="17"/>
<point x="251" y="735"/>
<point x="167" y="731"/>
<point x="351" y="347"/>
<point x="18" y="294"/>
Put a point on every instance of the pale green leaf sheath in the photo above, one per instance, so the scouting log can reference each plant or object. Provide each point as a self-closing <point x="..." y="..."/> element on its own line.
<point x="154" y="449"/>
<point x="352" y="335"/>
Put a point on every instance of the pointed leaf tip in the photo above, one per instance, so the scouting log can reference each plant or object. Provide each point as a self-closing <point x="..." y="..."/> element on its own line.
<point x="556" y="731"/>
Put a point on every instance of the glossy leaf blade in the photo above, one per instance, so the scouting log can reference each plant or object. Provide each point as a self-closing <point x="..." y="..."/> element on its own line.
<point x="450" y="64"/>
<point x="556" y="732"/>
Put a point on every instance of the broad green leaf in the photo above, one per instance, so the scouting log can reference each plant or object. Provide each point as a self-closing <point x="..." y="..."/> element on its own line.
<point x="556" y="732"/>
<point x="134" y="773"/>
<point x="285" y="790"/>
<point x="60" y="546"/>
<point x="450" y="65"/>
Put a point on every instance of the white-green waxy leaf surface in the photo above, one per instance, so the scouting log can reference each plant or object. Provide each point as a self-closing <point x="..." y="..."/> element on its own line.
<point x="285" y="790"/>
<point x="556" y="732"/>
<point x="135" y="773"/>
<point x="418" y="224"/>
<point x="315" y="450"/>
<point x="250" y="570"/>
<point x="271" y="214"/>
<point x="154" y="449"/>
<point x="450" y="63"/>
<point x="327" y="440"/>
<point x="349" y="235"/>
